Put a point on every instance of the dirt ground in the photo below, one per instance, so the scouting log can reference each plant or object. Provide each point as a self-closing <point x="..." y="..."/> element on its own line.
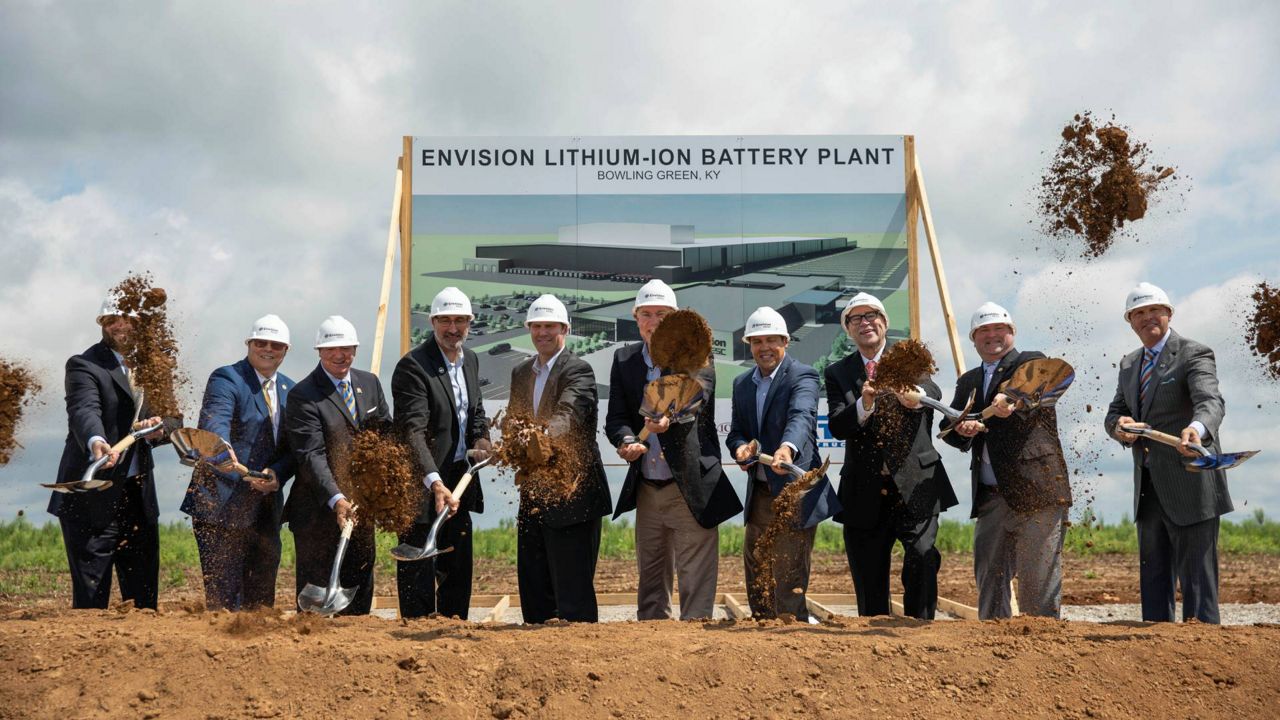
<point x="195" y="664"/>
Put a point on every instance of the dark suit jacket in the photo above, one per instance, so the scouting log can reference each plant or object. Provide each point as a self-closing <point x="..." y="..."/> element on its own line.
<point x="99" y="403"/>
<point x="235" y="409"/>
<point x="892" y="436"/>
<point x="1026" y="453"/>
<point x="569" y="406"/>
<point x="790" y="415"/>
<point x="692" y="448"/>
<point x="1184" y="387"/>
<point x="320" y="432"/>
<point x="427" y="418"/>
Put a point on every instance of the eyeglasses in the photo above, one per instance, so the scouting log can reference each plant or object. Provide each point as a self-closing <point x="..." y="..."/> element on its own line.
<point x="864" y="317"/>
<point x="264" y="344"/>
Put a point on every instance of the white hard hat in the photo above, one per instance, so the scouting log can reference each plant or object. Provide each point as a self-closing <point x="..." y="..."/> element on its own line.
<point x="269" y="327"/>
<point x="861" y="300"/>
<point x="764" y="321"/>
<point x="547" y="308"/>
<point x="336" y="331"/>
<point x="451" y="301"/>
<point x="990" y="313"/>
<point x="111" y="307"/>
<point x="1143" y="295"/>
<point x="656" y="292"/>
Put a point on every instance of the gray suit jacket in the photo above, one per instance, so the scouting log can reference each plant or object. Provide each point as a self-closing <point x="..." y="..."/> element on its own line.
<point x="1184" y="387"/>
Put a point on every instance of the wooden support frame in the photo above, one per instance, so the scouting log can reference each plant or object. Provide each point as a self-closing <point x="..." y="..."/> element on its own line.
<point x="406" y="245"/>
<point x="380" y="326"/>
<point x="935" y="256"/>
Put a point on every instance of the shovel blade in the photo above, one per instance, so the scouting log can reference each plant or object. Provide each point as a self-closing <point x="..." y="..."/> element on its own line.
<point x="325" y="601"/>
<point x="78" y="485"/>
<point x="1221" y="461"/>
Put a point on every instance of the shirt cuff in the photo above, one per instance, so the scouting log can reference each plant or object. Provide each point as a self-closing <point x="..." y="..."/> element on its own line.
<point x="794" y="449"/>
<point x="94" y="439"/>
<point x="1200" y="429"/>
<point x="431" y="479"/>
<point x="334" y="500"/>
<point x="863" y="413"/>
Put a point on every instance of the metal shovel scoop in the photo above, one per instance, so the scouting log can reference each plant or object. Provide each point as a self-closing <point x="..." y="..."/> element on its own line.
<point x="409" y="553"/>
<point x="950" y="413"/>
<point x="88" y="481"/>
<point x="335" y="598"/>
<point x="1038" y="383"/>
<point x="1206" y="461"/>
<point x="204" y="447"/>
<point x="812" y="476"/>
<point x="673" y="396"/>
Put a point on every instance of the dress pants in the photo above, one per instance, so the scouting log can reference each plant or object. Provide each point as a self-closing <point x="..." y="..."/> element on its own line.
<point x="316" y="544"/>
<point x="870" y="549"/>
<point x="440" y="584"/>
<point x="1028" y="546"/>
<point x="1171" y="555"/>
<point x="239" y="565"/>
<point x="130" y="543"/>
<point x="670" y="543"/>
<point x="556" y="569"/>
<point x="791" y="559"/>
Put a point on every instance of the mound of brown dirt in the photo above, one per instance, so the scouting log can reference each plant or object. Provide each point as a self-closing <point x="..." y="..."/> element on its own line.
<point x="1097" y="181"/>
<point x="18" y="390"/>
<point x="382" y="481"/>
<point x="1262" y="328"/>
<point x="682" y="343"/>
<point x="151" y="350"/>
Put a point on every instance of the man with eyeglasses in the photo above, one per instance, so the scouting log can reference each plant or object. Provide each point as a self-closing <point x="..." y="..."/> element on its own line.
<point x="893" y="484"/>
<point x="440" y="413"/>
<point x="236" y="520"/>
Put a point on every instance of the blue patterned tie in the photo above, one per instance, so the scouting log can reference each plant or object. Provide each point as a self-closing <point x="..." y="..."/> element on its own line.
<point x="344" y="388"/>
<point x="1148" y="369"/>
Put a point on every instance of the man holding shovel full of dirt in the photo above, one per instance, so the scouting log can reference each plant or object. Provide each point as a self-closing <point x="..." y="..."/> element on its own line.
<point x="1170" y="385"/>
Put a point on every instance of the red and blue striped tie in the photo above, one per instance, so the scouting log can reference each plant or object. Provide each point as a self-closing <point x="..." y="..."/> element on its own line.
<point x="1148" y="368"/>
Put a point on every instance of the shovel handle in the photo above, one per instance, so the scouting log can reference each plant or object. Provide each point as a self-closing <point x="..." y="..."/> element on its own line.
<point x="644" y="434"/>
<point x="246" y="472"/>
<point x="990" y="410"/>
<point x="1164" y="438"/>
<point x="461" y="487"/>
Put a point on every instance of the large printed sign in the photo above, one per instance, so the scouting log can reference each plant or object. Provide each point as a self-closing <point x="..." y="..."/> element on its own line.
<point x="796" y="223"/>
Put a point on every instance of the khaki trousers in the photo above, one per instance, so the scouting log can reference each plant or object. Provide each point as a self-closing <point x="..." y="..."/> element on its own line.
<point x="670" y="542"/>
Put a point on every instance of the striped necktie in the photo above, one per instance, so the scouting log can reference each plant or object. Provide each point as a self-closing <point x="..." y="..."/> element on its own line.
<point x="870" y="367"/>
<point x="266" y="395"/>
<point x="1148" y="369"/>
<point x="344" y="388"/>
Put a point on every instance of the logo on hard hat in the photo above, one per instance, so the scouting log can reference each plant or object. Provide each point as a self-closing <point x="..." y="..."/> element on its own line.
<point x="451" y="304"/>
<point x="334" y="335"/>
<point x="1142" y="297"/>
<point x="653" y="295"/>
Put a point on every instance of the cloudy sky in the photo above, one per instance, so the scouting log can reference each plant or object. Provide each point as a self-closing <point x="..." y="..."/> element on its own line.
<point x="245" y="154"/>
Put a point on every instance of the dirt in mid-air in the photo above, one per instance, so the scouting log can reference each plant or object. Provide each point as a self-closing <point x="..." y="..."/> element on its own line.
<point x="682" y="343"/>
<point x="151" y="350"/>
<point x="18" y="390"/>
<point x="1262" y="328"/>
<point x="381" y="480"/>
<point x="547" y="469"/>
<point x="903" y="366"/>
<point x="1099" y="179"/>
<point x="786" y="519"/>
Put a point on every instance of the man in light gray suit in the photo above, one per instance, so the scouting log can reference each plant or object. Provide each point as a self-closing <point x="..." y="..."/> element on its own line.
<point x="1171" y="384"/>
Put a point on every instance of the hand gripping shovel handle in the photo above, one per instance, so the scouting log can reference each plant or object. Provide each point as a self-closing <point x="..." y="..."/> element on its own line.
<point x="86" y="481"/>
<point x="1163" y="438"/>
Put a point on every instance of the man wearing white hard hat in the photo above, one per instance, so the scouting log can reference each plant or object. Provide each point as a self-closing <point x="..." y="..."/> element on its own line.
<point x="1021" y="490"/>
<point x="893" y="484"/>
<point x="236" y="520"/>
<point x="115" y="526"/>
<point x="675" y="482"/>
<point x="440" y="413"/>
<point x="325" y="411"/>
<point x="1171" y="384"/>
<point x="558" y="538"/>
<point x="776" y="405"/>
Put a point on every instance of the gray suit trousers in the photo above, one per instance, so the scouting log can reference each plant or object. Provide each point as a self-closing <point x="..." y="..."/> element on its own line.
<point x="1172" y="555"/>
<point x="1028" y="546"/>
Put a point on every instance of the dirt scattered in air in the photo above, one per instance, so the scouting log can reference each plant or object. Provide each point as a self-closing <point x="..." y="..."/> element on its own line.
<point x="786" y="519"/>
<point x="682" y="343"/>
<point x="382" y="481"/>
<point x="903" y="366"/>
<point x="18" y="390"/>
<point x="548" y="470"/>
<point x="151" y="350"/>
<point x="1262" y="328"/>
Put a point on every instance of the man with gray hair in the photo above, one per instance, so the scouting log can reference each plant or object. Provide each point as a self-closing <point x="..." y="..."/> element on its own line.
<point x="1170" y="384"/>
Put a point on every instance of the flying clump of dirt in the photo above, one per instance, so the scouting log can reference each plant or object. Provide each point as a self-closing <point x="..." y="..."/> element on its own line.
<point x="151" y="350"/>
<point x="1098" y="180"/>
<point x="1262" y="328"/>
<point x="18" y="390"/>
<point x="548" y="469"/>
<point x="382" y="481"/>
<point x="786" y="518"/>
<point x="903" y="366"/>
<point x="682" y="343"/>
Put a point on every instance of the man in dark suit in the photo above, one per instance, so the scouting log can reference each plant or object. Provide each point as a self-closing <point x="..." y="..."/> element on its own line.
<point x="558" y="539"/>
<point x="1171" y="384"/>
<point x="236" y="520"/>
<point x="674" y="482"/>
<point x="776" y="404"/>
<point x="324" y="413"/>
<point x="1021" y="491"/>
<point x="893" y="484"/>
<point x="115" y="527"/>
<point x="440" y="413"/>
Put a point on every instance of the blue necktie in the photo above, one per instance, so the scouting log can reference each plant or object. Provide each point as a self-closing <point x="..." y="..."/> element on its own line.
<point x="1148" y="369"/>
<point x="344" y="388"/>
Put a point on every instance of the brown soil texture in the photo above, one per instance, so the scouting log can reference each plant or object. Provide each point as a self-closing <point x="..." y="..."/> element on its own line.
<point x="903" y="366"/>
<point x="382" y="481"/>
<point x="682" y="343"/>
<point x="1097" y="181"/>
<point x="547" y="470"/>
<point x="151" y="350"/>
<point x="1262" y="328"/>
<point x="786" y="518"/>
<point x="192" y="664"/>
<point x="18" y="390"/>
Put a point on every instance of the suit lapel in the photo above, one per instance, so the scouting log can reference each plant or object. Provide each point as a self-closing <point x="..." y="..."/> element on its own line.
<point x="551" y="389"/>
<point x="250" y="377"/>
<point x="336" y="398"/>
<point x="440" y="373"/>
<point x="1003" y="370"/>
<point x="1131" y="381"/>
<point x="779" y="376"/>
<point x="472" y="380"/>
<point x="1168" y="356"/>
<point x="113" y="368"/>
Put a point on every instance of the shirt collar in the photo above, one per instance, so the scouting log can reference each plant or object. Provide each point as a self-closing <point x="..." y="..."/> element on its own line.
<point x="119" y="359"/>
<point x="539" y="368"/>
<point x="865" y="359"/>
<point x="1159" y="347"/>
<point x="335" y="380"/>
<point x="644" y="353"/>
<point x="262" y="379"/>
<point x="759" y="377"/>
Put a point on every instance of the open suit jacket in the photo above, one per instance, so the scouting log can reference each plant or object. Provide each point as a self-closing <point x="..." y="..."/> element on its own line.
<point x="427" y="417"/>
<point x="790" y="415"/>
<point x="907" y="451"/>
<point x="1184" y="387"/>
<point x="1026" y="454"/>
<point x="692" y="449"/>
<point x="569" y="406"/>
<point x="234" y="408"/>
<point x="320" y="433"/>
<point x="99" y="403"/>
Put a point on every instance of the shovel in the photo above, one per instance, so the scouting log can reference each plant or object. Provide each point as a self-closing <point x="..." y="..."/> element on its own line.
<point x="955" y="416"/>
<point x="335" y="598"/>
<point x="203" y="447"/>
<point x="812" y="476"/>
<point x="674" y="396"/>
<point x="1206" y="461"/>
<point x="87" y="481"/>
<point x="1038" y="383"/>
<point x="409" y="553"/>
